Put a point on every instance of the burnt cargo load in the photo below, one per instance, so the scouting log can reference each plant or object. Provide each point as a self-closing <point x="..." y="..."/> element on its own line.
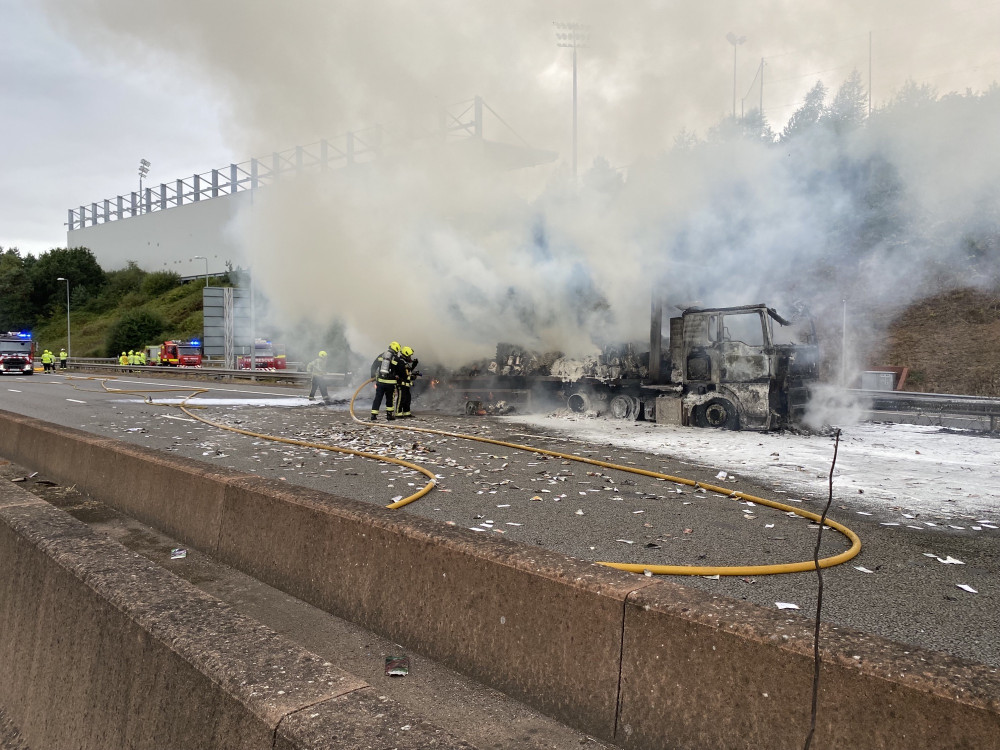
<point x="725" y="367"/>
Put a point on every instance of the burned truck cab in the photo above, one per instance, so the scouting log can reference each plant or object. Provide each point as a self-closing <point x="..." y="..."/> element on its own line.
<point x="742" y="367"/>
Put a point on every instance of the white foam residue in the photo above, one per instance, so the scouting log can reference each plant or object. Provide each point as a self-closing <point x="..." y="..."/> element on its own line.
<point x="879" y="466"/>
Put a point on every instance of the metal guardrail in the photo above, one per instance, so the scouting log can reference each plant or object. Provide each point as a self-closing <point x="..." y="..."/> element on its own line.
<point x="286" y="376"/>
<point x="934" y="404"/>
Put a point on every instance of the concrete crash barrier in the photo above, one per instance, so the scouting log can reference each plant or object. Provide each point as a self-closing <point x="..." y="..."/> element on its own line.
<point x="102" y="649"/>
<point x="643" y="662"/>
<point x="712" y="672"/>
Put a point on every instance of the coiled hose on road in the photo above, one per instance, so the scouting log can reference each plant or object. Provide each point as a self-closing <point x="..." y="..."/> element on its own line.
<point x="681" y="570"/>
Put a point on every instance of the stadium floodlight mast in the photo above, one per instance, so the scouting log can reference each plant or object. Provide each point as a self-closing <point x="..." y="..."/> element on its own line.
<point x="69" y="350"/>
<point x="736" y="41"/>
<point x="143" y="171"/>
<point x="572" y="35"/>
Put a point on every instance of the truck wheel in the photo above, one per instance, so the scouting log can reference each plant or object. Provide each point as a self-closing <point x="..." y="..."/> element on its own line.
<point x="578" y="402"/>
<point x="718" y="413"/>
<point x="622" y="407"/>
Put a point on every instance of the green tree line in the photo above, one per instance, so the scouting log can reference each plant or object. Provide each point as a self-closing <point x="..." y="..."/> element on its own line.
<point x="111" y="311"/>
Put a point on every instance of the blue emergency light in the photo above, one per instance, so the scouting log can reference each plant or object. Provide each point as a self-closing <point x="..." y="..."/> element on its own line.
<point x="195" y="343"/>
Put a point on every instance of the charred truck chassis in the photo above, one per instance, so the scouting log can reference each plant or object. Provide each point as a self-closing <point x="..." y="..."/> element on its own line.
<point x="727" y="367"/>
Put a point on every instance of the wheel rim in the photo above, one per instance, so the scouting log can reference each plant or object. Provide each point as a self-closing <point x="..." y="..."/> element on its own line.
<point x="716" y="415"/>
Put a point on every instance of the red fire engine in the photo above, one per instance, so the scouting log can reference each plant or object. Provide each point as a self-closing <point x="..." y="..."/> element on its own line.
<point x="181" y="353"/>
<point x="17" y="353"/>
<point x="265" y="357"/>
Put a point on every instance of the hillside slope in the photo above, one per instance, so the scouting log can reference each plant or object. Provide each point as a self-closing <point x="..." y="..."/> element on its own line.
<point x="950" y="342"/>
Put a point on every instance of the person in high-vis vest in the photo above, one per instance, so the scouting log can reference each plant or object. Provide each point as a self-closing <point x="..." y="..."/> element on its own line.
<point x="318" y="369"/>
<point x="123" y="359"/>
<point x="410" y="373"/>
<point x="46" y="360"/>
<point x="63" y="356"/>
<point x="387" y="370"/>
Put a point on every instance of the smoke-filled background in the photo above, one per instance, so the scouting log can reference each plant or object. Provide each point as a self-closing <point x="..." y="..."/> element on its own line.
<point x="450" y="253"/>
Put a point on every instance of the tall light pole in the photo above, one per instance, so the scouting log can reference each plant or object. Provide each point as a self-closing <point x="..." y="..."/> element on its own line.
<point x="143" y="171"/>
<point x="202" y="257"/>
<point x="736" y="41"/>
<point x="572" y="35"/>
<point x="69" y="350"/>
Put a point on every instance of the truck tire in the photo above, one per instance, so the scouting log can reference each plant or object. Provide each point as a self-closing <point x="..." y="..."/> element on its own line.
<point x="623" y="407"/>
<point x="718" y="413"/>
<point x="579" y="402"/>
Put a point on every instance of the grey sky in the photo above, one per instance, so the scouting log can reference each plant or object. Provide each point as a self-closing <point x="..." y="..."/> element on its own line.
<point x="89" y="87"/>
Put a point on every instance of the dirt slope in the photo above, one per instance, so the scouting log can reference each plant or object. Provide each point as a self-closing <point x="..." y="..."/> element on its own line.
<point x="950" y="342"/>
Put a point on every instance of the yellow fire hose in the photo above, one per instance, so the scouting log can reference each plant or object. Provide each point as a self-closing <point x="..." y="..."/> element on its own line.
<point x="679" y="570"/>
<point x="183" y="406"/>
<point x="686" y="570"/>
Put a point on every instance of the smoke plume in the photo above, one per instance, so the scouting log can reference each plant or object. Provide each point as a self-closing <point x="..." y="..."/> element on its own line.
<point x="444" y="250"/>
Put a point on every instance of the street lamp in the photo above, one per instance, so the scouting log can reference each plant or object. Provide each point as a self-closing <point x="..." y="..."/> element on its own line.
<point x="572" y="35"/>
<point x="736" y="41"/>
<point x="202" y="257"/>
<point x="69" y="350"/>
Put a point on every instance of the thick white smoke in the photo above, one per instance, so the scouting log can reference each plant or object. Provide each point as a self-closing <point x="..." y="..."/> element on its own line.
<point x="451" y="255"/>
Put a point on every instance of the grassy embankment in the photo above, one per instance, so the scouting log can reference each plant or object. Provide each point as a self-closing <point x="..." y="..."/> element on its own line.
<point x="180" y="309"/>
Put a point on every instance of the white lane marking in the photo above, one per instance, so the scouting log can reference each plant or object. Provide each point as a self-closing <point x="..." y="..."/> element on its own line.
<point x="76" y="401"/>
<point x="13" y="390"/>
<point x="196" y="385"/>
<point x="182" y="419"/>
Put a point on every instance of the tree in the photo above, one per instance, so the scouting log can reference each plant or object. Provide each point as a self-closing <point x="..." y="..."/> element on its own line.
<point x="913" y="96"/>
<point x="685" y="140"/>
<point x="806" y="116"/>
<point x="158" y="282"/>
<point x="124" y="281"/>
<point x="849" y="107"/>
<point x="16" y="312"/>
<point x="133" y="330"/>
<point x="754" y="127"/>
<point x="75" y="263"/>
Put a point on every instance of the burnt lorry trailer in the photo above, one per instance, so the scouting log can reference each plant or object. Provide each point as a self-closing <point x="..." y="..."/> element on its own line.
<point x="725" y="367"/>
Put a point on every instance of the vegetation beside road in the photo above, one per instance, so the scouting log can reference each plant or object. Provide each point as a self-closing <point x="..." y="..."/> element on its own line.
<point x="110" y="311"/>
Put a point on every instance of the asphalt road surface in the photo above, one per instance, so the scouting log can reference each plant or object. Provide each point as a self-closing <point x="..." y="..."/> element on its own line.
<point x="584" y="511"/>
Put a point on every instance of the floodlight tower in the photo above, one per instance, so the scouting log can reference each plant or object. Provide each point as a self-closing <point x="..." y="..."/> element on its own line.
<point x="572" y="35"/>
<point x="736" y="41"/>
<point x="143" y="171"/>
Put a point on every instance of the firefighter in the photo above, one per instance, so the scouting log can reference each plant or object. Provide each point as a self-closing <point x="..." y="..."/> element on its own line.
<point x="140" y="357"/>
<point x="410" y="373"/>
<point x="131" y="357"/>
<point x="46" y="360"/>
<point x="63" y="356"/>
<point x="318" y="370"/>
<point x="123" y="359"/>
<point x="387" y="370"/>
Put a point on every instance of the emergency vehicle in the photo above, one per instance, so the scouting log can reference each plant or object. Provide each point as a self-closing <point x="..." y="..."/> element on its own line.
<point x="265" y="355"/>
<point x="181" y="353"/>
<point x="17" y="353"/>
